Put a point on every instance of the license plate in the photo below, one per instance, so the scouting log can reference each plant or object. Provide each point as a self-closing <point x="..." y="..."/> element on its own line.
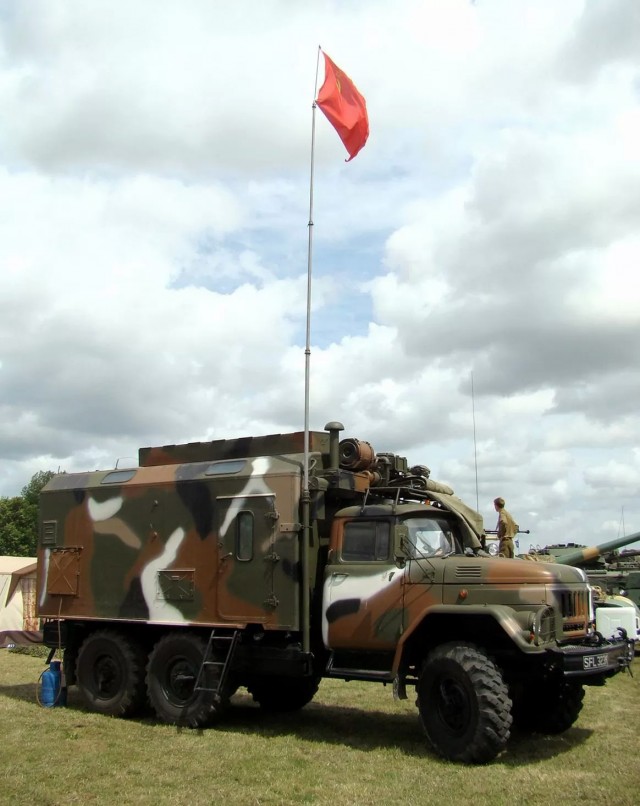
<point x="594" y="661"/>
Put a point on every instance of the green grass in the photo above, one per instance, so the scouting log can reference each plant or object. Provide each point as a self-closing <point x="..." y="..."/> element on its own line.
<point x="352" y="745"/>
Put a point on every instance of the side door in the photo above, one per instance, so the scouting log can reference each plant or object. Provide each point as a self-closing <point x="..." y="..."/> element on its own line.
<point x="247" y="530"/>
<point x="428" y="540"/>
<point x="362" y="596"/>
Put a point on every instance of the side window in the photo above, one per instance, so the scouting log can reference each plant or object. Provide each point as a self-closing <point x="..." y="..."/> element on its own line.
<point x="366" y="541"/>
<point x="244" y="536"/>
<point x="430" y="537"/>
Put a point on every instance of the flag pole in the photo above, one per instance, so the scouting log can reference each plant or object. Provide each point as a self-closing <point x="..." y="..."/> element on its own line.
<point x="306" y="496"/>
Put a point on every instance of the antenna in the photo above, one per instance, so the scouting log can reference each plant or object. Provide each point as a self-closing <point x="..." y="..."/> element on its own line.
<point x="475" y="451"/>
<point x="119" y="458"/>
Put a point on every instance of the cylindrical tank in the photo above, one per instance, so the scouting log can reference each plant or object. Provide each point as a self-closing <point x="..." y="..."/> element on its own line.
<point x="52" y="692"/>
<point x="355" y="454"/>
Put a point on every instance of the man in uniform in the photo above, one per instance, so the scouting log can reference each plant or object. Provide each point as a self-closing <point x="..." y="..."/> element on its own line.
<point x="507" y="529"/>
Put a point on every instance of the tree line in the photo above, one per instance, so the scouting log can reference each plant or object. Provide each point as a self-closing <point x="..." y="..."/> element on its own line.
<point x="19" y="518"/>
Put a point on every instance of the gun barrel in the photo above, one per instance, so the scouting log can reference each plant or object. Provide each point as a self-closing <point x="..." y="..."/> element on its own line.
<point x="590" y="553"/>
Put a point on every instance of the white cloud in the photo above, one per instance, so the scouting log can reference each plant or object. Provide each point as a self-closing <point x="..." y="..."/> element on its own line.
<point x="154" y="200"/>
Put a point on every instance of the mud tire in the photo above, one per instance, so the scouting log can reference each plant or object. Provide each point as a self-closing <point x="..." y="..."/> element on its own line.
<point x="464" y="704"/>
<point x="110" y="674"/>
<point x="172" y="671"/>
<point x="549" y="709"/>
<point x="283" y="694"/>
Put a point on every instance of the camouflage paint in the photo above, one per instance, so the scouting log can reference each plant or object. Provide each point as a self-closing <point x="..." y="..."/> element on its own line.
<point x="161" y="544"/>
<point x="155" y="547"/>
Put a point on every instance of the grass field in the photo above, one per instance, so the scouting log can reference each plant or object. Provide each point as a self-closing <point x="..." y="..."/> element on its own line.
<point x="352" y="745"/>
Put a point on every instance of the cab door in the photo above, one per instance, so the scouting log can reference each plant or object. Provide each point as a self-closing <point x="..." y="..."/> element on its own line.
<point x="247" y="531"/>
<point x="362" y="596"/>
<point x="428" y="540"/>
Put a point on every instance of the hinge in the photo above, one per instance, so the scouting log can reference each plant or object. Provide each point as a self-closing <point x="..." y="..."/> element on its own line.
<point x="272" y="558"/>
<point x="273" y="514"/>
<point x="290" y="527"/>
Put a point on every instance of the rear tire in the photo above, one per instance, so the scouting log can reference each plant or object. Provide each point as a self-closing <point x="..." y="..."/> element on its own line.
<point x="464" y="704"/>
<point x="172" y="671"/>
<point x="110" y="673"/>
<point x="549" y="708"/>
<point x="283" y="694"/>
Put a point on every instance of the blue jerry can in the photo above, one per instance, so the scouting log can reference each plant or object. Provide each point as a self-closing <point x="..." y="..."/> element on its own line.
<point x="52" y="692"/>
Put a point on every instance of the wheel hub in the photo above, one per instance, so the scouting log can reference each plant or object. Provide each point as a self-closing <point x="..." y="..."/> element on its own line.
<point x="453" y="705"/>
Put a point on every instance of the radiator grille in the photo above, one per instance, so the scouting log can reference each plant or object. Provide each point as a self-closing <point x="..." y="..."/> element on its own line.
<point x="575" y="611"/>
<point x="574" y="604"/>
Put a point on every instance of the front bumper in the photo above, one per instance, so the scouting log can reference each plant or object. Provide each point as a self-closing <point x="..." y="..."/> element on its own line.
<point x="596" y="661"/>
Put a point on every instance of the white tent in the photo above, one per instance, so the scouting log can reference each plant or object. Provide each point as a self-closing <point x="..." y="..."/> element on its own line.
<point x="18" y="622"/>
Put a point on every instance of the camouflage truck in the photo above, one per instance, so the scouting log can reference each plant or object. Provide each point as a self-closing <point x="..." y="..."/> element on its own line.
<point x="218" y="565"/>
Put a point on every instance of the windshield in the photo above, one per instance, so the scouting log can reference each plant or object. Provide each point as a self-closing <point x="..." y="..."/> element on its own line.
<point x="430" y="537"/>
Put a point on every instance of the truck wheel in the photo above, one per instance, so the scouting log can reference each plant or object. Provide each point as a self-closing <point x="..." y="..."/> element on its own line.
<point x="172" y="671"/>
<point x="464" y="704"/>
<point x="549" y="708"/>
<point x="282" y="694"/>
<point x="110" y="673"/>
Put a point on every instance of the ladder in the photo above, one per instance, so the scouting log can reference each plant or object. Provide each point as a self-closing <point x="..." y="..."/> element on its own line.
<point x="208" y="660"/>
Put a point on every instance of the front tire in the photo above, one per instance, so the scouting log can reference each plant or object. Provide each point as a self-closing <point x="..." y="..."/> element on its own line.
<point x="464" y="704"/>
<point x="283" y="694"/>
<point x="110" y="673"/>
<point x="172" y="672"/>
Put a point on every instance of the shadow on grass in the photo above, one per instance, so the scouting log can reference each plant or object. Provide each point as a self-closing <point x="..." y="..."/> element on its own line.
<point x="369" y="730"/>
<point x="525" y="748"/>
<point x="346" y="726"/>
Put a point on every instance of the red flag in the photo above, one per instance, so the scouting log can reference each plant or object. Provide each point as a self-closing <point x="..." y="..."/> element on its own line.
<point x="344" y="107"/>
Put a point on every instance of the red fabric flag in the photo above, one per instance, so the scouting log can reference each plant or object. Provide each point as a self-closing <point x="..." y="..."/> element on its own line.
<point x="344" y="107"/>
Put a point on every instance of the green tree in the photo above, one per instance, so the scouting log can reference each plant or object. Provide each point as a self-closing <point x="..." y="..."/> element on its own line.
<point x="31" y="491"/>
<point x="19" y="518"/>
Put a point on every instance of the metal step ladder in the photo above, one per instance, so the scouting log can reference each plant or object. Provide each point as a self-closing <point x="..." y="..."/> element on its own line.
<point x="222" y="665"/>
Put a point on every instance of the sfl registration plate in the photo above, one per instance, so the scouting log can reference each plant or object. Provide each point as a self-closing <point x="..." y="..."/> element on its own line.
<point x="594" y="661"/>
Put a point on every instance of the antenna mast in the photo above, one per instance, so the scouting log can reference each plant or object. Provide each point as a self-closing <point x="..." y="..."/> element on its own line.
<point x="475" y="451"/>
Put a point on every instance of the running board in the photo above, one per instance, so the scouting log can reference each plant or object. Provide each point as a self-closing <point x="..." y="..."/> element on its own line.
<point x="347" y="673"/>
<point x="360" y="674"/>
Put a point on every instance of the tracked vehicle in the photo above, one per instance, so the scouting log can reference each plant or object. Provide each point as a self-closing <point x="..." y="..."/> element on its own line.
<point x="213" y="566"/>
<point x="614" y="572"/>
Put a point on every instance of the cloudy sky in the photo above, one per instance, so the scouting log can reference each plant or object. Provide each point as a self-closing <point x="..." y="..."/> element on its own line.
<point x="154" y="208"/>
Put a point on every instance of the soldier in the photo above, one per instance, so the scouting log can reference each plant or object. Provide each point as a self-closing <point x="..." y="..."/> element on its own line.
<point x="507" y="529"/>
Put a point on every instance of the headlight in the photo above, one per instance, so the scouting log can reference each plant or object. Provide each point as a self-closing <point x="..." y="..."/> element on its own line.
<point x="543" y="626"/>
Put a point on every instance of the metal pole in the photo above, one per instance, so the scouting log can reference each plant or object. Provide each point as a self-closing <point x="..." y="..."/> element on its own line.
<point x="306" y="497"/>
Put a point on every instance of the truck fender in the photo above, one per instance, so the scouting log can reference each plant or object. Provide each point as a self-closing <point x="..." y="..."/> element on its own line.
<point x="505" y="617"/>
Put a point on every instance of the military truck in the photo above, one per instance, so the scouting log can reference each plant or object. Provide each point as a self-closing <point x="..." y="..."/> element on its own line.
<point x="218" y="565"/>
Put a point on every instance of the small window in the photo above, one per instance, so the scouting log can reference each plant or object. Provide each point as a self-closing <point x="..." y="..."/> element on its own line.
<point x="118" y="477"/>
<point x="366" y="542"/>
<point x="244" y="536"/>
<point x="220" y="468"/>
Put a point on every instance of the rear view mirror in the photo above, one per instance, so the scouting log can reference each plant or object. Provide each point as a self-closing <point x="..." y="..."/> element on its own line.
<point x="400" y="543"/>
